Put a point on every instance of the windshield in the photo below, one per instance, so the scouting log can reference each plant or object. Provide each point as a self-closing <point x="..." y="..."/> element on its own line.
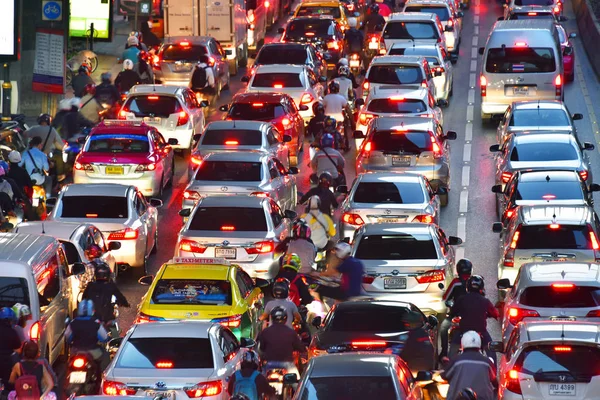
<point x="548" y="296"/>
<point x="274" y="54"/>
<point x="531" y="15"/>
<point x="153" y="353"/>
<point x="390" y="106"/>
<point x="152" y="106"/>
<point x="401" y="142"/>
<point x="229" y="171"/>
<point x="534" y="2"/>
<point x="374" y="318"/>
<point x="93" y="207"/>
<point x="575" y="362"/>
<point x="410" y="30"/>
<point x="539" y="117"/>
<point x="120" y="143"/>
<point x="13" y="291"/>
<point x="544" y="152"/>
<point x="510" y="60"/>
<point x="175" y="52"/>
<point x="397" y="247"/>
<point x="561" y="237"/>
<point x="229" y="219"/>
<point x="395" y="74"/>
<point x="277" y="80"/>
<point x="192" y="291"/>
<point x="442" y="12"/>
<point x="351" y="387"/>
<point x="318" y="11"/>
<point x="308" y="29"/>
<point x="549" y="190"/>
<point x="389" y="192"/>
<point x="233" y="137"/>
<point x="256" y="111"/>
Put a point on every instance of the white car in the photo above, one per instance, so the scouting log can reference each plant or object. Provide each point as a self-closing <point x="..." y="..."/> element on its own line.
<point x="120" y="212"/>
<point x="174" y="110"/>
<point x="175" y="360"/>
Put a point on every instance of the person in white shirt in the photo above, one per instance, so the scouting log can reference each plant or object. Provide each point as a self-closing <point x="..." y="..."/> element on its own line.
<point x="334" y="102"/>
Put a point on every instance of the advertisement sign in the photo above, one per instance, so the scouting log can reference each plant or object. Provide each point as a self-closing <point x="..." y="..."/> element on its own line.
<point x="9" y="31"/>
<point x="86" y="12"/>
<point x="49" y="65"/>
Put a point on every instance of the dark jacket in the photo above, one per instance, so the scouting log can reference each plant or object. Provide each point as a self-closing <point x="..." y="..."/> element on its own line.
<point x="471" y="369"/>
<point x="73" y="122"/>
<point x="328" y="200"/>
<point x="290" y="275"/>
<point x="278" y="343"/>
<point x="84" y="333"/>
<point x="262" y="385"/>
<point x="20" y="176"/>
<point x="126" y="80"/>
<point x="456" y="289"/>
<point x="474" y="310"/>
<point x="79" y="82"/>
<point x="355" y="40"/>
<point x="107" y="93"/>
<point x="148" y="37"/>
<point x="101" y="293"/>
<point x="374" y="23"/>
<point x="10" y="342"/>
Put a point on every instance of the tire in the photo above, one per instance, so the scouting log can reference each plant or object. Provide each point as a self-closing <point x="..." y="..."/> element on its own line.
<point x="570" y="78"/>
<point x="451" y="92"/>
<point x="172" y="178"/>
<point x="486" y="118"/>
<point x="145" y="266"/>
<point x="444" y="199"/>
<point x="160" y="187"/>
<point x="233" y="67"/>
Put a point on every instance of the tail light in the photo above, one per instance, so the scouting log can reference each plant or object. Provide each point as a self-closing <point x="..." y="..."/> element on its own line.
<point x="424" y="83"/>
<point x="353" y="219"/>
<point x="509" y="213"/>
<point x="595" y="244"/>
<point x="365" y="118"/>
<point x="191" y="195"/>
<point x="266" y="246"/>
<point x="164" y="364"/>
<point x="78" y="362"/>
<point x="34" y="331"/>
<point x="483" y="85"/>
<point x="287" y="124"/>
<point x="156" y="62"/>
<point x="441" y="70"/>
<point x="516" y="315"/>
<point x="558" y="85"/>
<point x="563" y="286"/>
<point x="366" y="85"/>
<point x="234" y="321"/>
<point x="368" y="147"/>
<point x="432" y="276"/>
<point x="556" y="9"/>
<point x="196" y="160"/>
<point x="506" y="176"/>
<point x="512" y="381"/>
<point x="382" y="47"/>
<point x="593" y="313"/>
<point x="509" y="257"/>
<point x="231" y="143"/>
<point x="450" y="23"/>
<point x="368" y="343"/>
<point x="204" y="389"/>
<point x="183" y="118"/>
<point x="333" y="45"/>
<point x="191" y="246"/>
<point x="123" y="113"/>
<point x="350" y="7"/>
<point x="368" y="279"/>
<point x="583" y="174"/>
<point x="260" y="194"/>
<point x="425" y="218"/>
<point x="435" y="146"/>
<point x="125" y="234"/>
<point x="145" y="318"/>
<point x="83" y="167"/>
<point x="145" y="167"/>
<point x="562" y="349"/>
<point x="112" y="388"/>
<point x="306" y="98"/>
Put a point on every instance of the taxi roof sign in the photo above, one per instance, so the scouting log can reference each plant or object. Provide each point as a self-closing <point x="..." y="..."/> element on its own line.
<point x="200" y="260"/>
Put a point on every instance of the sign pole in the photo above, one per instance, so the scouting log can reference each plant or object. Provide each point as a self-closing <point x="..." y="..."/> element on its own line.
<point x="6" y="94"/>
<point x="135" y="23"/>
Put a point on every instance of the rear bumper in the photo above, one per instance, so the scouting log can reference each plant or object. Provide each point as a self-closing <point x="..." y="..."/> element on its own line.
<point x="430" y="303"/>
<point x="131" y="253"/>
<point x="148" y="184"/>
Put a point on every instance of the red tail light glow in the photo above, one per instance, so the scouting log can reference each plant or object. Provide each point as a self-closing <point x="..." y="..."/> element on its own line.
<point x="424" y="83"/>
<point x="183" y="118"/>
<point x="257" y="104"/>
<point x="506" y="176"/>
<point x="516" y="315"/>
<point x="431" y="276"/>
<point x="231" y="143"/>
<point x="483" y="85"/>
<point x="266" y="246"/>
<point x="78" y="362"/>
<point x="583" y="175"/>
<point x="368" y="147"/>
<point x="532" y="13"/>
<point x="152" y="97"/>
<point x="34" y="331"/>
<point x="366" y="85"/>
<point x="558" y="85"/>
<point x="512" y="381"/>
<point x="287" y="124"/>
<point x="509" y="213"/>
<point x="365" y="118"/>
<point x="554" y="226"/>
<point x="164" y="364"/>
<point x="333" y="44"/>
<point x="593" y="313"/>
<point x="191" y="195"/>
<point x="184" y="44"/>
<point x="353" y="219"/>
<point x="368" y="343"/>
<point x="368" y="279"/>
<point x="562" y="349"/>
<point x="228" y="228"/>
<point x="278" y="86"/>
<point x="196" y="160"/>
<point x="425" y="218"/>
<point x="260" y="194"/>
<point x="234" y="321"/>
<point x="112" y="388"/>
<point x="145" y="167"/>
<point x="191" y="246"/>
<point x="125" y="234"/>
<point x="204" y="389"/>
<point x="563" y="286"/>
<point x="83" y="167"/>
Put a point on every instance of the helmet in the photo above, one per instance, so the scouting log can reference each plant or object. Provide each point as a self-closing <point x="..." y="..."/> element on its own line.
<point x="343" y="70"/>
<point x="292" y="260"/>
<point x="330" y="124"/>
<point x="464" y="267"/>
<point x="343" y="61"/>
<point x="318" y="108"/>
<point x="475" y="284"/>
<point x="326" y="179"/>
<point x="374" y="8"/>
<point x="132" y="41"/>
<point x="44" y="119"/>
<point x="14" y="157"/>
<point x="65" y="104"/>
<point x="127" y="64"/>
<point x="102" y="270"/>
<point x="327" y="140"/>
<point x="21" y="310"/>
<point x="85" y="308"/>
<point x="239" y="396"/>
<point x="278" y="315"/>
<point x="352" y="22"/>
<point x="470" y="340"/>
<point x="106" y="76"/>
<point x="314" y="203"/>
<point x="466" y="394"/>
<point x="334" y="87"/>
<point x="281" y="288"/>
<point x="7" y="313"/>
<point x="342" y="250"/>
<point x="90" y="89"/>
<point x="301" y="230"/>
<point x="250" y="359"/>
<point x="85" y="67"/>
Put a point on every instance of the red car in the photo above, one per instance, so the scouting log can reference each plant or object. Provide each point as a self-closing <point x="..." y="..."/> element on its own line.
<point x="568" y="52"/>
<point x="276" y="108"/>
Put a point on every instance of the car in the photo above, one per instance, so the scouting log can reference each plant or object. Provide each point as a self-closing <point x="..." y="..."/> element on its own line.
<point x="297" y="81"/>
<point x="329" y="8"/>
<point x="277" y="108"/>
<point x="568" y="52"/>
<point x="547" y="234"/>
<point x="178" y="55"/>
<point x="542" y="151"/>
<point x="439" y="61"/>
<point x="243" y="135"/>
<point x="557" y="291"/>
<point x="554" y="5"/>
<point x="552" y="187"/>
<point x="122" y="214"/>
<point x="206" y="289"/>
<point x="536" y="115"/>
<point x="292" y="53"/>
<point x="532" y="12"/>
<point x="547" y="359"/>
<point x="174" y="111"/>
<point x="412" y="27"/>
<point x="380" y="326"/>
<point x="406" y="262"/>
<point x="246" y="230"/>
<point x="411" y="72"/>
<point x="151" y="353"/>
<point x="388" y="197"/>
<point x="323" y="32"/>
<point x="242" y="174"/>
<point x="408" y="144"/>
<point x="359" y="375"/>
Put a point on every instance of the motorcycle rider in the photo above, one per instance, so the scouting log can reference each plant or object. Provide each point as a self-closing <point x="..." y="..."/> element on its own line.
<point x="321" y="225"/>
<point x="73" y="121"/>
<point x="52" y="143"/>
<point x="351" y="270"/>
<point x="301" y="244"/>
<point x="328" y="200"/>
<point x="22" y="316"/>
<point x="131" y="49"/>
<point x="143" y="68"/>
<point x="106" y="92"/>
<point x="90" y="108"/>
<point x="9" y="345"/>
<point x="298" y="290"/>
<point x="148" y="37"/>
<point x="23" y="183"/>
<point x="36" y="164"/>
<point x="374" y="21"/>
<point x="81" y="79"/>
<point x="315" y="125"/>
<point x="456" y="289"/>
<point x="328" y="159"/>
<point x="248" y="381"/>
<point x="354" y="38"/>
<point x="344" y="61"/>
<point x="336" y="105"/>
<point x="281" y="291"/>
<point x="127" y="78"/>
<point x="203" y="79"/>
<point x="85" y="333"/>
<point x="345" y="83"/>
<point x="471" y="369"/>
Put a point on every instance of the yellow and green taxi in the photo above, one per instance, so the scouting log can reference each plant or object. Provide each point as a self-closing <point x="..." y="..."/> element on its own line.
<point x="208" y="289"/>
<point x="334" y="9"/>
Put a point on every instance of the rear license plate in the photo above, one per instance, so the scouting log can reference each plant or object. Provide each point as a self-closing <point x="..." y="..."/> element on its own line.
<point x="521" y="91"/>
<point x="226" y="253"/>
<point x="561" y="389"/>
<point x="555" y="259"/>
<point x="152" y="120"/>
<point x="170" y="395"/>
<point x="114" y="170"/>
<point x="388" y="220"/>
<point x="402" y="161"/>
<point x="394" y="283"/>
<point x="563" y="318"/>
<point x="35" y="201"/>
<point x="77" y="377"/>
<point x="354" y="63"/>
<point x="373" y="45"/>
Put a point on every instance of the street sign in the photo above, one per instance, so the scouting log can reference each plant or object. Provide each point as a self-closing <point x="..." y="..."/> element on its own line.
<point x="144" y="7"/>
<point x="51" y="10"/>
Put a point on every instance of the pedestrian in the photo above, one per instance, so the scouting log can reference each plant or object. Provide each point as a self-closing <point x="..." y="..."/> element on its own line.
<point x="30" y="376"/>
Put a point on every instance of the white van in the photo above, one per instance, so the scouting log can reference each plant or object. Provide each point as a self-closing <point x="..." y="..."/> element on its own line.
<point x="522" y="60"/>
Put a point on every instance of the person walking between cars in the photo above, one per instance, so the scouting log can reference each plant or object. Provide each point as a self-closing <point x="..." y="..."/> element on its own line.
<point x="203" y="80"/>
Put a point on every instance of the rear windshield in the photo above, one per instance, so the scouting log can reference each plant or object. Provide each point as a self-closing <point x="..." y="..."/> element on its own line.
<point x="441" y="12"/>
<point x="395" y="74"/>
<point x="389" y="106"/>
<point x="539" y="117"/>
<point x="547" y="364"/>
<point x="512" y="60"/>
<point x="397" y="247"/>
<point x="563" y="237"/>
<point x="154" y="353"/>
<point x="401" y="142"/>
<point x="120" y="143"/>
<point x="389" y="192"/>
<point x="274" y="55"/>
<point x="544" y="152"/>
<point x="256" y="111"/>
<point x="534" y="2"/>
<point x="413" y="51"/>
<point x="277" y="80"/>
<point x="93" y="207"/>
<point x="547" y="296"/>
<point x="551" y="190"/>
<point x="240" y="218"/>
<point x="192" y="291"/>
<point x="318" y="11"/>
<point x="152" y="106"/>
<point x="531" y="15"/>
<point x="234" y="137"/>
<point x="229" y="171"/>
<point x="410" y="30"/>
<point x="380" y="319"/>
<point x="13" y="291"/>
<point x="354" y="387"/>
<point x="175" y="52"/>
<point x="307" y="29"/>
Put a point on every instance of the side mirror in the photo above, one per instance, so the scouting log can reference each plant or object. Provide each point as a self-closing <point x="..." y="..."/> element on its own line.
<point x="186" y="212"/>
<point x="568" y="50"/>
<point x="572" y="35"/>
<point x="173" y="141"/>
<point x="594" y="187"/>
<point x="577" y="116"/>
<point x="359" y="102"/>
<point x="359" y="135"/>
<point x="423" y="376"/>
<point x="114" y="245"/>
<point x="81" y="140"/>
<point x="78" y="269"/>
<point x="495" y="148"/>
<point x="450" y="135"/>
<point x="481" y="50"/>
<point x="441" y="191"/>
<point x="204" y="103"/>
<point x="156" y="203"/>
<point x="114" y="344"/>
<point x="442" y="103"/>
<point x="287" y="138"/>
<point x="454" y="240"/>
<point x="437" y="73"/>
<point x="448" y="28"/>
<point x="51" y="202"/>
<point x="290" y="379"/>
<point x="503" y="284"/>
<point x="432" y="321"/>
<point x="588" y="146"/>
<point x="497" y="189"/>
<point x="562" y="18"/>
<point x="317" y="322"/>
<point x="261" y="283"/>
<point x="500" y="18"/>
<point x="293" y="171"/>
<point x="280" y="30"/>
<point x="224" y="107"/>
<point x="342" y="189"/>
<point x="245" y="79"/>
<point x="146" y="280"/>
<point x="247" y="343"/>
<point x="303" y="107"/>
<point x="290" y="214"/>
<point x="497" y="227"/>
<point x="322" y="79"/>
<point x="497" y="347"/>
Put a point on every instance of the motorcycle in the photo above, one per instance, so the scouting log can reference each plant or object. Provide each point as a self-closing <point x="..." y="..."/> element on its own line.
<point x="72" y="147"/>
<point x="371" y="46"/>
<point x="38" y="201"/>
<point x="275" y="372"/>
<point x="83" y="375"/>
<point x="355" y="63"/>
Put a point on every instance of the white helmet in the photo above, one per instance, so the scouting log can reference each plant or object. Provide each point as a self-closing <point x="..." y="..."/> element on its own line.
<point x="314" y="203"/>
<point x="342" y="250"/>
<point x="352" y="22"/>
<point x="343" y="61"/>
<point x="65" y="104"/>
<point x="127" y="64"/>
<point x="470" y="340"/>
<point x="132" y="41"/>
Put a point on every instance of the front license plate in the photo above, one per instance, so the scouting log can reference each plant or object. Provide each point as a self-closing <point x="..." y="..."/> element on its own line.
<point x="402" y="161"/>
<point x="226" y="253"/>
<point x="394" y="283"/>
<point x="77" y="377"/>
<point x="521" y="91"/>
<point x="373" y="45"/>
<point x="354" y="63"/>
<point x="388" y="220"/>
<point x="170" y="394"/>
<point x="561" y="389"/>
<point x="114" y="170"/>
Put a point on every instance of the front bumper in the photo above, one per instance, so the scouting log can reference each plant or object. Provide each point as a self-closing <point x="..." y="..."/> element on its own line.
<point x="148" y="183"/>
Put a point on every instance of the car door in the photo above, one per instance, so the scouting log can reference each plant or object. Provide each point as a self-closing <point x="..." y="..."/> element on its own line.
<point x="218" y="55"/>
<point x="447" y="63"/>
<point x="165" y="152"/>
<point x="298" y="121"/>
<point x="503" y="125"/>
<point x="277" y="148"/>
<point x="429" y="76"/>
<point x="196" y="112"/>
<point x="434" y="199"/>
<point x="146" y="224"/>
<point x="249" y="297"/>
<point x="289" y="186"/>
<point x="436" y="110"/>
<point x="315" y="84"/>
<point x="280" y="226"/>
<point x="230" y="347"/>
<point x="276" y="181"/>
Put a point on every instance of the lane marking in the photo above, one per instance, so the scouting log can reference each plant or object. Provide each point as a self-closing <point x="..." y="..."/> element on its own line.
<point x="466" y="172"/>
<point x="474" y="52"/>
<point x="471" y="96"/>
<point x="464" y="201"/>
<point x="475" y="41"/>
<point x="461" y="232"/>
<point x="467" y="153"/>
<point x="476" y="29"/>
<point x="472" y="80"/>
<point x="476" y="20"/>
<point x="473" y="65"/>
<point x="469" y="132"/>
<point x="470" y="113"/>
<point x="459" y="253"/>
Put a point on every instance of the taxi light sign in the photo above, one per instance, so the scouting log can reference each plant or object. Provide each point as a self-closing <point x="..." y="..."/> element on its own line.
<point x="200" y="260"/>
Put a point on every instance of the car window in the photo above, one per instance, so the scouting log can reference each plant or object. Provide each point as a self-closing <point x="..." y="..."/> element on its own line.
<point x="273" y="171"/>
<point x="441" y="11"/>
<point x="277" y="80"/>
<point x="117" y="143"/>
<point x="71" y="253"/>
<point x="220" y="49"/>
<point x="402" y="379"/>
<point x="525" y="59"/>
<point x="417" y="246"/>
<point x="312" y="78"/>
<point x="154" y="353"/>
<point x="549" y="190"/>
<point x="231" y="137"/>
<point x="246" y="278"/>
<point x="302" y="28"/>
<point x="274" y="54"/>
<point x="546" y="361"/>
<point x="397" y="106"/>
<point x="244" y="290"/>
<point x="539" y="117"/>
<point x="229" y="344"/>
<point x="182" y="52"/>
<point x="152" y="106"/>
<point x="213" y="47"/>
<point x="48" y="280"/>
<point x="358" y="387"/>
<point x="512" y="345"/>
<point x="410" y="30"/>
<point x="272" y="137"/>
<point x="140" y="205"/>
<point x="229" y="171"/>
<point x="280" y="167"/>
<point x="318" y="11"/>
<point x="257" y="111"/>
<point x="244" y="219"/>
<point x="276" y="214"/>
<point x="192" y="291"/>
<point x="99" y="239"/>
<point x="401" y="142"/>
<point x="544" y="152"/>
<point x="554" y="236"/>
<point x="395" y="74"/>
<point x="86" y="239"/>
<point x="565" y="297"/>
<point x="389" y="192"/>
<point x="160" y="140"/>
<point x="370" y="318"/>
<point x="190" y="99"/>
<point x="93" y="207"/>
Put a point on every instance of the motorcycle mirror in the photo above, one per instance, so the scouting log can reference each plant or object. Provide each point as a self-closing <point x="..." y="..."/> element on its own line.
<point x="424" y="376"/>
<point x="287" y="138"/>
<point x="454" y="240"/>
<point x="78" y="269"/>
<point x="146" y="280"/>
<point x="67" y="321"/>
<point x="497" y="227"/>
<point x="114" y="245"/>
<point x="156" y="203"/>
<point x="173" y="141"/>
<point x="594" y="187"/>
<point x="185" y="212"/>
<point x="497" y="189"/>
<point x="577" y="116"/>
<point x="432" y="321"/>
<point x="247" y="343"/>
<point x="290" y="379"/>
<point x="450" y="135"/>
<point x="503" y="284"/>
<point x="495" y="148"/>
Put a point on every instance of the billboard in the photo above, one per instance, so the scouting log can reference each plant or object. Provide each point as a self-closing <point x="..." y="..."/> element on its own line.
<point x="9" y="31"/>
<point x="85" y="12"/>
<point x="49" y="65"/>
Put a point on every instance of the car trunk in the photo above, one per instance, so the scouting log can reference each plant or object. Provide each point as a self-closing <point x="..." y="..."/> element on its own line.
<point x="386" y="212"/>
<point x="224" y="188"/>
<point x="399" y="275"/>
<point x="115" y="165"/>
<point x="145" y="379"/>
<point x="233" y="245"/>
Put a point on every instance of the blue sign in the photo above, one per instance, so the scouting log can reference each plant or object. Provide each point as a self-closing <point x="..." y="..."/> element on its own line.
<point x="52" y="10"/>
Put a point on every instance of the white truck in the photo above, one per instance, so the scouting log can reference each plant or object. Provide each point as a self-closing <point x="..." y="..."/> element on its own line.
<point x="225" y="20"/>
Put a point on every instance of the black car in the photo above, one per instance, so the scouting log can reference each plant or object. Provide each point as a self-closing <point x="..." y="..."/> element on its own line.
<point x="378" y="325"/>
<point x="291" y="53"/>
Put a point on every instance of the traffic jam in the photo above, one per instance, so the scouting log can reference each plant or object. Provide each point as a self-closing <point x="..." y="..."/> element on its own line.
<point x="331" y="200"/>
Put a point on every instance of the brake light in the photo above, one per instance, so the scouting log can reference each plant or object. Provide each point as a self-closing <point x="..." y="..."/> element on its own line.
<point x="366" y="85"/>
<point x="91" y="215"/>
<point x="558" y="85"/>
<point x="450" y="23"/>
<point x="191" y="195"/>
<point x="368" y="147"/>
<point x="595" y="244"/>
<point x="123" y="113"/>
<point x="583" y="174"/>
<point x="506" y="176"/>
<point x="397" y="98"/>
<point x="278" y="86"/>
<point x="350" y="7"/>
<point x="512" y="381"/>
<point x="164" y="364"/>
<point x="509" y="257"/>
<point x="368" y="343"/>
<point x="125" y="234"/>
<point x="508" y="213"/>
<point x="211" y="61"/>
<point x="263" y="247"/>
<point x="83" y="167"/>
<point x="78" y="362"/>
<point x="196" y="160"/>
<point x="483" y="85"/>
<point x="382" y="48"/>
<point x="34" y="331"/>
<point x="516" y="315"/>
<point x="231" y="143"/>
<point x="257" y="104"/>
<point x="437" y="149"/>
<point x="287" y="124"/>
<point x="563" y="286"/>
<point x="235" y="321"/>
<point x="145" y="167"/>
<point x="515" y="239"/>
<point x="425" y="218"/>
<point x="333" y="44"/>
<point x="368" y="279"/>
<point x="532" y="13"/>
<point x="365" y="118"/>
<point x="554" y="226"/>
<point x="156" y="62"/>
<point x="260" y="194"/>
<point x="228" y="228"/>
<point x="353" y="219"/>
<point x="431" y="276"/>
<point x="112" y="388"/>
<point x="306" y="98"/>
<point x="152" y="97"/>
<point x="204" y="389"/>
<point x="440" y="69"/>
<point x="183" y="118"/>
<point x="593" y="313"/>
<point x="184" y="44"/>
<point x="548" y="197"/>
<point x="556" y="9"/>
<point x="145" y="318"/>
<point x="191" y="246"/>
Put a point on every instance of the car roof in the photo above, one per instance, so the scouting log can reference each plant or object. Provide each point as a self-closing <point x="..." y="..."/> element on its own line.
<point x="238" y="125"/>
<point x="393" y="59"/>
<point x="239" y="156"/>
<point x="540" y="330"/>
<point x="120" y="127"/>
<point x="532" y="8"/>
<point x="352" y="364"/>
<point x="391" y="228"/>
<point x="521" y="24"/>
<point x="96" y="189"/>
<point x="549" y="272"/>
<point x="314" y="18"/>
<point x="555" y="176"/>
<point x="279" y="68"/>
<point x="232" y="201"/>
<point x="22" y="246"/>
<point x="263" y="97"/>
<point x="558" y="137"/>
<point x="325" y="3"/>
<point x="408" y="44"/>
<point x="194" y="40"/>
<point x="411" y="16"/>
<point x="390" y="177"/>
<point x="194" y="271"/>
<point x="156" y="89"/>
<point x="409" y="92"/>
<point x="57" y="229"/>
<point x="411" y="123"/>
<point x="294" y="45"/>
<point x="427" y="2"/>
<point x="174" y="329"/>
<point x="567" y="215"/>
<point x="542" y="104"/>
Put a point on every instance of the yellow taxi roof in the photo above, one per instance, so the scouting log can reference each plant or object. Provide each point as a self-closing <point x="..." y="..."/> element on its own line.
<point x="180" y="268"/>
<point x="327" y="3"/>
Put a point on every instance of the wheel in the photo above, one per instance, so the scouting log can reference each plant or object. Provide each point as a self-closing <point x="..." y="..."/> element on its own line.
<point x="233" y="67"/>
<point x="444" y="199"/>
<point x="160" y="187"/>
<point x="155" y="247"/>
<point x="451" y="92"/>
<point x="570" y="77"/>
<point x="145" y="266"/>
<point x="486" y="118"/>
<point x="172" y="178"/>
<point x="497" y="207"/>
<point x="93" y="63"/>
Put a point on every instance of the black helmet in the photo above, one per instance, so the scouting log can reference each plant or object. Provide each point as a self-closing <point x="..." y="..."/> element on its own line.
<point x="475" y="284"/>
<point x="466" y="394"/>
<point x="250" y="359"/>
<point x="281" y="288"/>
<point x="102" y="270"/>
<point x="464" y="267"/>
<point x="334" y="87"/>
<point x="239" y="396"/>
<point x="326" y="179"/>
<point x="278" y="315"/>
<point x="318" y="108"/>
<point x="44" y="118"/>
<point x="374" y="8"/>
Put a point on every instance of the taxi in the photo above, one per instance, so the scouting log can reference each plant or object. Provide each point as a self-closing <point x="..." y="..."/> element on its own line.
<point x="334" y="9"/>
<point x="204" y="289"/>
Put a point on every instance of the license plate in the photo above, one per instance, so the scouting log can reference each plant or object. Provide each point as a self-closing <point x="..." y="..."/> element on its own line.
<point x="521" y="91"/>
<point x="373" y="45"/>
<point x="170" y="395"/>
<point x="114" y="170"/>
<point x="401" y="161"/>
<point x="563" y="318"/>
<point x="227" y="253"/>
<point x="561" y="389"/>
<point x="354" y="63"/>
<point x="153" y="120"/>
<point x="555" y="259"/>
<point x="35" y="201"/>
<point x="388" y="220"/>
<point x="394" y="283"/>
<point x="77" y="377"/>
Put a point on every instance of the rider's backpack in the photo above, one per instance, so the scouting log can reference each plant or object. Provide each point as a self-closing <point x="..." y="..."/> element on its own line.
<point x="26" y="385"/>
<point x="199" y="79"/>
<point x="294" y="293"/>
<point x="245" y="385"/>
